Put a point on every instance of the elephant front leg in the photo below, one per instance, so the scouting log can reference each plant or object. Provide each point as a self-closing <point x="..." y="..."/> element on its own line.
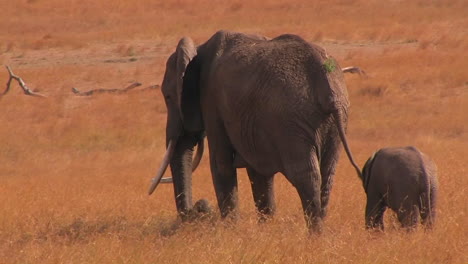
<point x="222" y="170"/>
<point x="225" y="183"/>
<point x="263" y="194"/>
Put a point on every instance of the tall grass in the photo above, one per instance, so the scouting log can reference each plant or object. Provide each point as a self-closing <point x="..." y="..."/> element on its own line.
<point x="74" y="171"/>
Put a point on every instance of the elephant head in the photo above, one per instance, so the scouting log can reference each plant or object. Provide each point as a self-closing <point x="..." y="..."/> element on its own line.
<point x="184" y="128"/>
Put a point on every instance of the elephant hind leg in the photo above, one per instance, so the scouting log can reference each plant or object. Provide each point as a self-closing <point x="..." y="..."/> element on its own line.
<point x="408" y="216"/>
<point x="427" y="208"/>
<point x="307" y="181"/>
<point x="328" y="162"/>
<point x="263" y="193"/>
<point x="375" y="210"/>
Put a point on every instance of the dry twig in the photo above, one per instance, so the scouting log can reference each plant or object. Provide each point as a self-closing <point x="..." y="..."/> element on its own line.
<point x="20" y="81"/>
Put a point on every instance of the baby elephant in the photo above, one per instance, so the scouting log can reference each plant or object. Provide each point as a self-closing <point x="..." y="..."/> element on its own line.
<point x="404" y="179"/>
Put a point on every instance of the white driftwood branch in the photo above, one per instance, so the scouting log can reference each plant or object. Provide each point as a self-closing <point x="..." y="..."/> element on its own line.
<point x="20" y="81"/>
<point x="116" y="91"/>
<point x="353" y="70"/>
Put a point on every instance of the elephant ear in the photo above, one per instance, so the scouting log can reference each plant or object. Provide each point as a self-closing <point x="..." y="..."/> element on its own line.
<point x="190" y="100"/>
<point x="188" y="91"/>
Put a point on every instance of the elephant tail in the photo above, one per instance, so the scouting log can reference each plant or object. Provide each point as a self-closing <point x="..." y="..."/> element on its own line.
<point x="339" y="125"/>
<point x="367" y="171"/>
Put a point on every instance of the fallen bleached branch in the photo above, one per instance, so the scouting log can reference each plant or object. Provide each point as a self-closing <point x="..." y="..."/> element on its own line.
<point x="20" y="81"/>
<point x="353" y="70"/>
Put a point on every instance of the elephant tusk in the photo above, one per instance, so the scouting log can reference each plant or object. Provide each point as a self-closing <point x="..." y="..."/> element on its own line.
<point x="166" y="180"/>
<point x="167" y="158"/>
<point x="198" y="155"/>
<point x="196" y="161"/>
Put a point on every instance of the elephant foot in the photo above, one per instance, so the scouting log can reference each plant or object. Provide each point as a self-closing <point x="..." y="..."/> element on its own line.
<point x="315" y="226"/>
<point x="264" y="218"/>
<point x="202" y="206"/>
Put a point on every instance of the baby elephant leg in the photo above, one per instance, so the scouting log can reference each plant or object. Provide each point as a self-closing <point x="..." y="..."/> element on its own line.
<point x="427" y="208"/>
<point x="375" y="209"/>
<point x="408" y="215"/>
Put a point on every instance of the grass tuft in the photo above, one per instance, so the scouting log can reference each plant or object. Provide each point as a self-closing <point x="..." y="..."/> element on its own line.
<point x="329" y="65"/>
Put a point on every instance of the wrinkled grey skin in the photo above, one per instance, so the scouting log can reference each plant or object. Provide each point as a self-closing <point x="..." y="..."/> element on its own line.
<point x="403" y="179"/>
<point x="268" y="105"/>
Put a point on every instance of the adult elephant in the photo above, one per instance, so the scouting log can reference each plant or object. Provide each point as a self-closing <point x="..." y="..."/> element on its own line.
<point x="269" y="105"/>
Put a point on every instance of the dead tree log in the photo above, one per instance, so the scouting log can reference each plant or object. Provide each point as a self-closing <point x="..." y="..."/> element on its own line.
<point x="20" y="81"/>
<point x="151" y="87"/>
<point x="98" y="91"/>
<point x="115" y="91"/>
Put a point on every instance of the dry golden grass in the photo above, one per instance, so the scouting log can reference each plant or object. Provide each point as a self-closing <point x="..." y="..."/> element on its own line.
<point x="74" y="170"/>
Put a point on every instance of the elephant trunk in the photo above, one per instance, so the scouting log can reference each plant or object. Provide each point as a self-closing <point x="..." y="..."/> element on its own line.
<point x="341" y="132"/>
<point x="181" y="167"/>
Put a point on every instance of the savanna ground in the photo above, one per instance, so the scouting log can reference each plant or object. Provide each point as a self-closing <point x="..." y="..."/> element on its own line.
<point x="74" y="171"/>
